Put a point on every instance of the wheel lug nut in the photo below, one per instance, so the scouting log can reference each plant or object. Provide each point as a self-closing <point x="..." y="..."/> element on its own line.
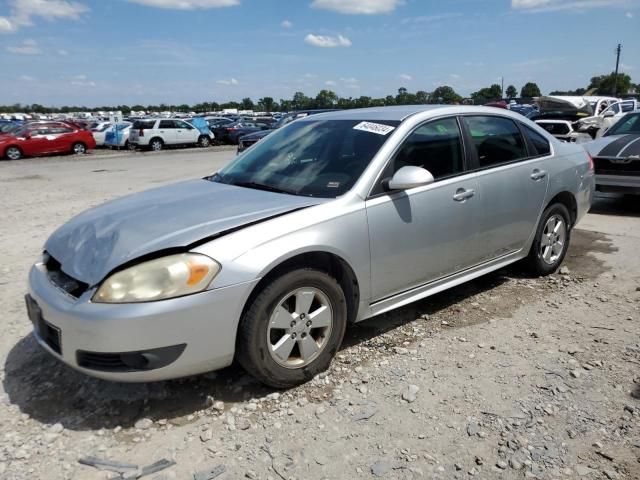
<point x="309" y="323"/>
<point x="302" y="316"/>
<point x="303" y="335"/>
<point x="293" y="324"/>
<point x="293" y="335"/>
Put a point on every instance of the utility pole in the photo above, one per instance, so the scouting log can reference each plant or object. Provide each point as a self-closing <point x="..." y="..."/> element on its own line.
<point x="502" y="87"/>
<point x="615" y="79"/>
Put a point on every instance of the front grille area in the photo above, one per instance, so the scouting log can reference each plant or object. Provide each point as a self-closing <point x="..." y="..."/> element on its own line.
<point x="621" y="166"/>
<point x="50" y="335"/>
<point x="73" y="287"/>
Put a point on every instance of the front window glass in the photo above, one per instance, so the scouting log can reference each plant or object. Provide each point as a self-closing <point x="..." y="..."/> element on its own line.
<point x="322" y="158"/>
<point x="497" y="140"/>
<point x="435" y="146"/>
<point x="626" y="125"/>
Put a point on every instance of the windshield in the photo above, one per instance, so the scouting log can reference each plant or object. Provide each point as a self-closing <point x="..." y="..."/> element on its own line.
<point x="626" y="125"/>
<point x="321" y="158"/>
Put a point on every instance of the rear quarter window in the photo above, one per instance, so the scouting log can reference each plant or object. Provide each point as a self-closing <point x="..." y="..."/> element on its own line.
<point x="540" y="144"/>
<point x="144" y="124"/>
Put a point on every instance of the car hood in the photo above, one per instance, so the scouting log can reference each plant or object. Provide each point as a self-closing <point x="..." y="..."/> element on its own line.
<point x="101" y="239"/>
<point x="615" y="146"/>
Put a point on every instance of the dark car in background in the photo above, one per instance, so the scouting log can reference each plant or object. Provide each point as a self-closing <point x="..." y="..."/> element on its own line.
<point x="245" y="141"/>
<point x="230" y="133"/>
<point x="616" y="156"/>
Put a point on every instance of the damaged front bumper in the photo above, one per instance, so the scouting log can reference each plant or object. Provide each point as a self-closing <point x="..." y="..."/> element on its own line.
<point x="137" y="342"/>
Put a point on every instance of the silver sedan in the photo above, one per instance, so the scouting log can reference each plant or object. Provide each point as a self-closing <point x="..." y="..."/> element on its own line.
<point x="333" y="219"/>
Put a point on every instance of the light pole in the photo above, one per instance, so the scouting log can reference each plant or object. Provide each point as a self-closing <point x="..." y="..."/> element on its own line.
<point x="615" y="78"/>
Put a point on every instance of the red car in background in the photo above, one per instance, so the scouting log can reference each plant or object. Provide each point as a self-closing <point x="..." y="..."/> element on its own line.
<point x="44" y="138"/>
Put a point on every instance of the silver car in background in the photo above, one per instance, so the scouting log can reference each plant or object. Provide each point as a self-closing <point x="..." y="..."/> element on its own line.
<point x="330" y="220"/>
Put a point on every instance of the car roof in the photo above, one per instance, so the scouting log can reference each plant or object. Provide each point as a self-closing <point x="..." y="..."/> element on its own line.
<point x="402" y="112"/>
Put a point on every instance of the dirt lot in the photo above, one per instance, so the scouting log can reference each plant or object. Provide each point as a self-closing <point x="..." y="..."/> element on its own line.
<point x="505" y="377"/>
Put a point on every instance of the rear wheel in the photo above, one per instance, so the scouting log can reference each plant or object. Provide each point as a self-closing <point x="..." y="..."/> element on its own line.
<point x="293" y="328"/>
<point x="204" y="141"/>
<point x="156" y="144"/>
<point x="551" y="242"/>
<point x="13" y="153"/>
<point x="79" y="148"/>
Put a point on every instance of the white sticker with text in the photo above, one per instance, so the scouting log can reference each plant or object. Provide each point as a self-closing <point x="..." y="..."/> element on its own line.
<point x="374" y="128"/>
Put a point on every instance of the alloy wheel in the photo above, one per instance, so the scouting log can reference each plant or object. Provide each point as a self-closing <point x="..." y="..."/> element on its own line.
<point x="13" y="153"/>
<point x="156" y="145"/>
<point x="79" y="148"/>
<point x="553" y="239"/>
<point x="299" y="327"/>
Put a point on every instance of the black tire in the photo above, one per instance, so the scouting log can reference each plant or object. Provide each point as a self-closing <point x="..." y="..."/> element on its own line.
<point x="156" y="144"/>
<point x="204" y="141"/>
<point x="13" y="153"/>
<point x="254" y="343"/>
<point x="536" y="262"/>
<point x="78" y="148"/>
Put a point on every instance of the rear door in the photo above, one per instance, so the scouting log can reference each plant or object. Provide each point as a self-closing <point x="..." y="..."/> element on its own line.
<point x="167" y="130"/>
<point x="64" y="137"/>
<point x="512" y="181"/>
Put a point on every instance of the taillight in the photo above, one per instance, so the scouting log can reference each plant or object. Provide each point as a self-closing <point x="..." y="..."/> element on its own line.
<point x="592" y="165"/>
<point x="141" y="132"/>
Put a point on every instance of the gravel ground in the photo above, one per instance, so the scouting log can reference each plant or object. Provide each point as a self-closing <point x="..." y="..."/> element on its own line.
<point x="504" y="377"/>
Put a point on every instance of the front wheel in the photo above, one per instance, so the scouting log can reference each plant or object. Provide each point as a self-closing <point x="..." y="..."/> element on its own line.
<point x="293" y="328"/>
<point x="204" y="141"/>
<point x="551" y="242"/>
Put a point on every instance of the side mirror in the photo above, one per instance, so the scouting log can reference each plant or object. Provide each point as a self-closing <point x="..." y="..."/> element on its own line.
<point x="609" y="114"/>
<point x="410" y="177"/>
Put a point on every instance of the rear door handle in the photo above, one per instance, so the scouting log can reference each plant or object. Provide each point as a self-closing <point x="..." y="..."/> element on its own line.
<point x="461" y="194"/>
<point x="538" y="174"/>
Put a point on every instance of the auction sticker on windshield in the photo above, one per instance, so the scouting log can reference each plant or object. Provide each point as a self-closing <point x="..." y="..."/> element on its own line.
<point x="374" y="128"/>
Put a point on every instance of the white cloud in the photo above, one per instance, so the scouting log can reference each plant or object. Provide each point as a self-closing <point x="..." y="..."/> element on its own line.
<point x="629" y="15"/>
<point x="187" y="4"/>
<point x="28" y="47"/>
<point x="63" y="53"/>
<point x="231" y="81"/>
<point x="331" y="83"/>
<point x="454" y="76"/>
<point x="286" y="24"/>
<point x="431" y="18"/>
<point x="81" y="81"/>
<point x="27" y="78"/>
<point x="405" y="76"/>
<point x="626" y="67"/>
<point x="358" y="7"/>
<point x="324" y="41"/>
<point x="552" y="5"/>
<point x="23" y="11"/>
<point x="6" y="26"/>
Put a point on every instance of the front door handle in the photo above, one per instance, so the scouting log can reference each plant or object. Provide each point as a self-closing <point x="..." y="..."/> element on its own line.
<point x="461" y="194"/>
<point x="538" y="174"/>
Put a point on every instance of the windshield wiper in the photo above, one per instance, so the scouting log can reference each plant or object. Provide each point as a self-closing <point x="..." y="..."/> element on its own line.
<point x="262" y="186"/>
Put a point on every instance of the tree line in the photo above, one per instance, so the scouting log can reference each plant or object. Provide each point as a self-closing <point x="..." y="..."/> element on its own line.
<point x="599" y="85"/>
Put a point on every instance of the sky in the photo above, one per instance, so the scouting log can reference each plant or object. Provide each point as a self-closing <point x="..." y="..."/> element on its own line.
<point x="114" y="52"/>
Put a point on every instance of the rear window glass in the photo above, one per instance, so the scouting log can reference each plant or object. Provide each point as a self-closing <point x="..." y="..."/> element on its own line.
<point x="497" y="140"/>
<point x="540" y="143"/>
<point x="144" y="124"/>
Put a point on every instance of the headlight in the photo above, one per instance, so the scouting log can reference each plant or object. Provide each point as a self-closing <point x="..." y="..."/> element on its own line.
<point x="167" y="277"/>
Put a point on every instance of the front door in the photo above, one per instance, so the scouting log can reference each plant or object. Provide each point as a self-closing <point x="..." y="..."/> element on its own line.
<point x="425" y="233"/>
<point x="186" y="133"/>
